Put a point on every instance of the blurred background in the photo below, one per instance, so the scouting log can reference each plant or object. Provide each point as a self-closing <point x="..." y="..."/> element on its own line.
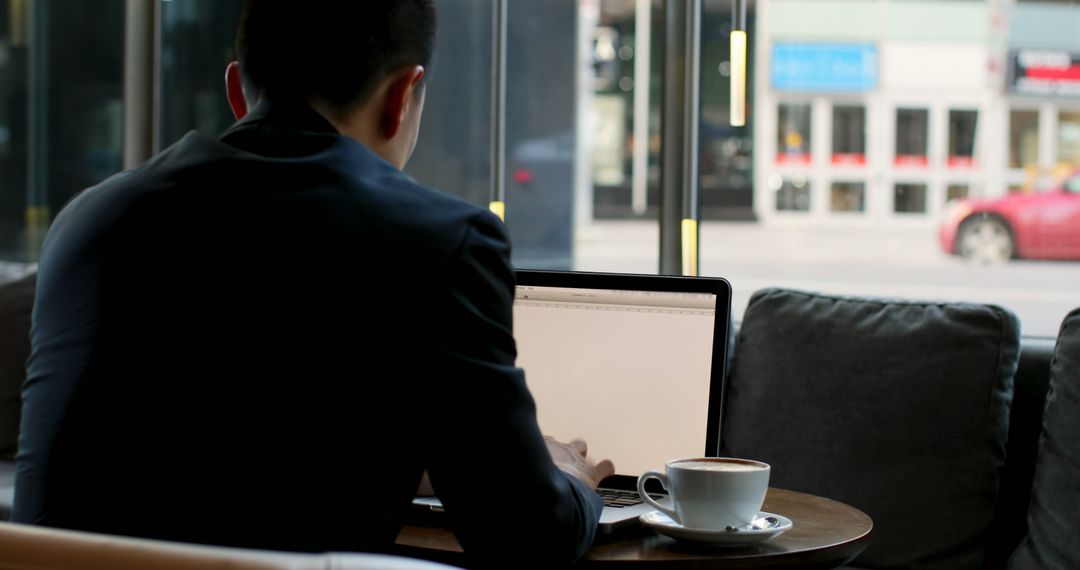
<point x="912" y="148"/>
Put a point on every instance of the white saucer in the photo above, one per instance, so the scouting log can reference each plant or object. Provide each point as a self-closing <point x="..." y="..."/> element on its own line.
<point x="759" y="531"/>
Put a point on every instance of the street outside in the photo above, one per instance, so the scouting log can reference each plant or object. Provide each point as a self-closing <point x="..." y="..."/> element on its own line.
<point x="899" y="262"/>
<point x="895" y="262"/>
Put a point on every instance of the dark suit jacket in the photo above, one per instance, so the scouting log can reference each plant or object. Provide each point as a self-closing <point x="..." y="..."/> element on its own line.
<point x="264" y="340"/>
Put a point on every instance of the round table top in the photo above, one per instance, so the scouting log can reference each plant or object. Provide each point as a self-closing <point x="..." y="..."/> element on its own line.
<point x="826" y="534"/>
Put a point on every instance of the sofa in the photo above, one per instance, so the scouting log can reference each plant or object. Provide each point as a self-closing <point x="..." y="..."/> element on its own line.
<point x="1009" y="502"/>
<point x="928" y="416"/>
<point x="16" y="304"/>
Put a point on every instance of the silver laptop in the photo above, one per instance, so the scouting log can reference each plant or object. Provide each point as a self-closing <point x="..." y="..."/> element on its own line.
<point x="632" y="364"/>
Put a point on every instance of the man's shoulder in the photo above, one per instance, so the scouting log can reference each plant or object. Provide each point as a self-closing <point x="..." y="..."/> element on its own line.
<point x="400" y="201"/>
<point x="186" y="154"/>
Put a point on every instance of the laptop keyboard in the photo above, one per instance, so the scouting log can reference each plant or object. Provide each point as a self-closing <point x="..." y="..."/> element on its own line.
<point x="618" y="499"/>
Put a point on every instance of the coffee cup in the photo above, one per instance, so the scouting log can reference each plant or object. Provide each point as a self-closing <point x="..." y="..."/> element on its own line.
<point x="710" y="493"/>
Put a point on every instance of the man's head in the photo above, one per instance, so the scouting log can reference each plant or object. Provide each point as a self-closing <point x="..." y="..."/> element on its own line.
<point x="360" y="63"/>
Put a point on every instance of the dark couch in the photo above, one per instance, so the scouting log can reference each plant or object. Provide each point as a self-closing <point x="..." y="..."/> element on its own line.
<point x="926" y="415"/>
<point x="16" y="304"/>
<point x="1009" y="523"/>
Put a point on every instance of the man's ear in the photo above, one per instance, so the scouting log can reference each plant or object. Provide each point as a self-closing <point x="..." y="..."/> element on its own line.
<point x="234" y="89"/>
<point x="400" y="98"/>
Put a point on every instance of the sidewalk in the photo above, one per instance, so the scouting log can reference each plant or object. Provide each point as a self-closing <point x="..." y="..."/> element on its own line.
<point x="634" y="245"/>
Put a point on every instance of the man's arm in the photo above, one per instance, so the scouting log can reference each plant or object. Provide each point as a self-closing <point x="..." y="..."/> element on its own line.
<point x="488" y="456"/>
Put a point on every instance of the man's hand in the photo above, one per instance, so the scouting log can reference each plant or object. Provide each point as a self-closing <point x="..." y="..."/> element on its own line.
<point x="571" y="458"/>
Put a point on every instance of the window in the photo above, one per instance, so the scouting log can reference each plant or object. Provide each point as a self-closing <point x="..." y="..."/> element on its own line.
<point x="793" y="195"/>
<point x="1068" y="139"/>
<point x="962" y="138"/>
<point x="1023" y="139"/>
<point x="956" y="192"/>
<point x="909" y="199"/>
<point x="196" y="44"/>
<point x="849" y="135"/>
<point x="793" y="134"/>
<point x="911" y="137"/>
<point x="848" y="197"/>
<point x="61" y="111"/>
<point x="904" y="117"/>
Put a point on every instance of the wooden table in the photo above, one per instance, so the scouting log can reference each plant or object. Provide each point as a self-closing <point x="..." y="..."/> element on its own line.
<point x="826" y="534"/>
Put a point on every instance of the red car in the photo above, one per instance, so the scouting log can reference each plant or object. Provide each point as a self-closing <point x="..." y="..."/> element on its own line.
<point x="1043" y="225"/>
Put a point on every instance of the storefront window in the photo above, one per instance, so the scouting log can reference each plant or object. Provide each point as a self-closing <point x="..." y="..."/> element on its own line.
<point x="793" y="133"/>
<point x="1023" y="139"/>
<point x="909" y="198"/>
<point x="792" y="195"/>
<point x="956" y="192"/>
<point x="911" y="137"/>
<point x="962" y="138"/>
<point x="1069" y="138"/>
<point x="848" y="197"/>
<point x="849" y="135"/>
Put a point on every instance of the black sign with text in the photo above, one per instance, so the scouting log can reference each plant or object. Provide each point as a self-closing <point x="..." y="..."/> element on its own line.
<point x="1044" y="72"/>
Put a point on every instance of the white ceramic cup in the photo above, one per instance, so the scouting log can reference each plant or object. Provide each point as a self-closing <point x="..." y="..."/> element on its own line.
<point x="711" y="493"/>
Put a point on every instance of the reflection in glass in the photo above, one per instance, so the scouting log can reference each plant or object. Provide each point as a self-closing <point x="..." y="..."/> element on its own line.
<point x="962" y="126"/>
<point x="849" y="135"/>
<point x="793" y="133"/>
<point x="911" y="137"/>
<point x="848" y="197"/>
<point x="793" y="195"/>
<point x="909" y="198"/>
<point x="1023" y="139"/>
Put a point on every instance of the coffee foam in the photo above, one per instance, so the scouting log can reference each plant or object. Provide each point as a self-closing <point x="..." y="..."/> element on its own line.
<point x="719" y="466"/>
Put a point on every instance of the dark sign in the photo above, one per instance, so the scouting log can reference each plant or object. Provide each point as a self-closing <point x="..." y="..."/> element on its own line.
<point x="1045" y="72"/>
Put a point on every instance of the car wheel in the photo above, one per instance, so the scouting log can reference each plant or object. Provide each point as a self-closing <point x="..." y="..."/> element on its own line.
<point x="986" y="239"/>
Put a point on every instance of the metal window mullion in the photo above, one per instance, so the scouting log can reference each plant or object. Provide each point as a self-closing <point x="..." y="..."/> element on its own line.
<point x="37" y="156"/>
<point x="498" y="108"/>
<point x="680" y="105"/>
<point x="139" y="72"/>
<point x="692" y="111"/>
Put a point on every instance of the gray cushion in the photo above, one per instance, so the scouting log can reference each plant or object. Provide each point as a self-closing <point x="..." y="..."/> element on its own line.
<point x="16" y="305"/>
<point x="898" y="408"/>
<point x="1053" y="539"/>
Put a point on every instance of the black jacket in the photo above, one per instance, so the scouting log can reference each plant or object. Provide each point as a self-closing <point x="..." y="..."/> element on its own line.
<point x="264" y="340"/>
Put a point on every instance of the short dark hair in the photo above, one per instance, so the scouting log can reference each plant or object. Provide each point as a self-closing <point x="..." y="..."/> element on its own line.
<point x="334" y="50"/>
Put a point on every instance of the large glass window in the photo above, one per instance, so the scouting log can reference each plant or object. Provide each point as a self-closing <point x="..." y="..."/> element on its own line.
<point x="962" y="124"/>
<point x="793" y="133"/>
<point x="196" y="45"/>
<point x="584" y="139"/>
<point x="909" y="198"/>
<point x="61" y="111"/>
<point x="912" y="129"/>
<point x="1068" y="138"/>
<point x="849" y="135"/>
<point x="848" y="197"/>
<point x="957" y="191"/>
<point x="792" y="195"/>
<point x="1023" y="139"/>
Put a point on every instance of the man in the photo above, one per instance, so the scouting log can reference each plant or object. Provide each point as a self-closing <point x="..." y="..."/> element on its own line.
<point x="264" y="340"/>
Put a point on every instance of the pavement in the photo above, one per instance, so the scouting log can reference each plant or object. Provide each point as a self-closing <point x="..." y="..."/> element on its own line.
<point x="903" y="262"/>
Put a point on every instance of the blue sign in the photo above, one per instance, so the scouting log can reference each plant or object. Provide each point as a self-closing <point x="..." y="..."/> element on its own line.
<point x="824" y="67"/>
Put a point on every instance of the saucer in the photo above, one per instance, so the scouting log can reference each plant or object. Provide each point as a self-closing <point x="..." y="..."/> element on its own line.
<point x="759" y="531"/>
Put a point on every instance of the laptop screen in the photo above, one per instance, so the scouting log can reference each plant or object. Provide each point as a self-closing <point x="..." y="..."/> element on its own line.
<point x="628" y="370"/>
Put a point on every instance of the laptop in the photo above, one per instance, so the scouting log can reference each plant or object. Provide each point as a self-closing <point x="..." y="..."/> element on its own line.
<point x="632" y="364"/>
